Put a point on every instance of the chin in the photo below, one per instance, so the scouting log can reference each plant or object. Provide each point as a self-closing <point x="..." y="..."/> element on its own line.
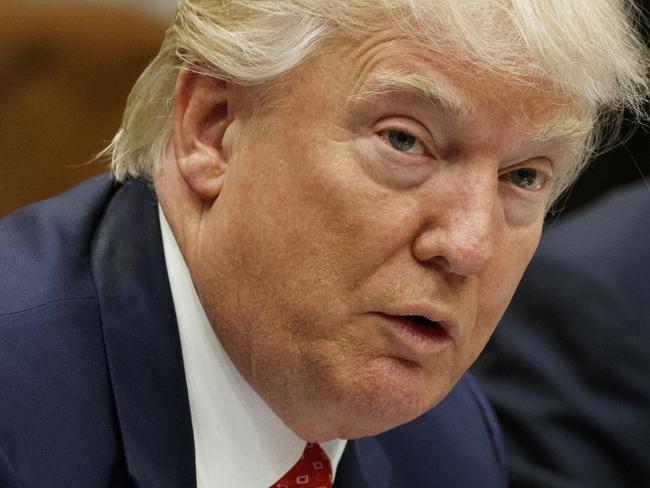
<point x="378" y="403"/>
<point x="384" y="416"/>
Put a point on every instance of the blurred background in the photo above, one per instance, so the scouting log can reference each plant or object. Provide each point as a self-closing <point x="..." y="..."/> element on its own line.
<point x="162" y="9"/>
<point x="66" y="68"/>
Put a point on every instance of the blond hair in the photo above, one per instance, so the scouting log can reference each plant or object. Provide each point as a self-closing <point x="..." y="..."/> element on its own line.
<point x="590" y="49"/>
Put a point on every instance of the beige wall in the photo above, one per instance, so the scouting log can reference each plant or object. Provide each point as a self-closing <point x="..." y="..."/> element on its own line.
<point x="163" y="9"/>
<point x="65" y="74"/>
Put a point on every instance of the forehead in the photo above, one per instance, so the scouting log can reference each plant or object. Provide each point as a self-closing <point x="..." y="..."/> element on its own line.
<point x="402" y="66"/>
<point x="393" y="66"/>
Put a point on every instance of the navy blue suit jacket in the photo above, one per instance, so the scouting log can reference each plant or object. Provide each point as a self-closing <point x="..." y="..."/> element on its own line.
<point x="92" y="386"/>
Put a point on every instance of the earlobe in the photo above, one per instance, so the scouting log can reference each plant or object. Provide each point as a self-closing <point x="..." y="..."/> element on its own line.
<point x="201" y="117"/>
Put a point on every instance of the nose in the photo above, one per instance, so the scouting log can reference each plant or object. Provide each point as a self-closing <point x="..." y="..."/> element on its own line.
<point x="462" y="227"/>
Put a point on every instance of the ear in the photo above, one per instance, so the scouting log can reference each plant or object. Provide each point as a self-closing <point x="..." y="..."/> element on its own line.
<point x="200" y="122"/>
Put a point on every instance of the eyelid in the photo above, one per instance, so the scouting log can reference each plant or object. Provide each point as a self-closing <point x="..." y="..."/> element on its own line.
<point x="422" y="136"/>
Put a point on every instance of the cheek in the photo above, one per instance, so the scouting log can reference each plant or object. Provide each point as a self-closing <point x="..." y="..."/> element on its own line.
<point x="330" y="220"/>
<point x="279" y="220"/>
<point x="499" y="283"/>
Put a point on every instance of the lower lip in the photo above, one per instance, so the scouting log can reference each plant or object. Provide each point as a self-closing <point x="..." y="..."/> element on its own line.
<point x="420" y="339"/>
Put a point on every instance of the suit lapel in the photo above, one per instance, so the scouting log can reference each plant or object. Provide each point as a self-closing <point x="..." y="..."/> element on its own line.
<point x="364" y="465"/>
<point x="142" y="342"/>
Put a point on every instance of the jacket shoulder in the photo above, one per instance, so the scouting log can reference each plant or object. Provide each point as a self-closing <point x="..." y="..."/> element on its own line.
<point x="46" y="246"/>
<point x="56" y="407"/>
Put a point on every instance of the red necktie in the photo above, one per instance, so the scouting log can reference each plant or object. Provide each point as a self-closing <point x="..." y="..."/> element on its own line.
<point x="312" y="470"/>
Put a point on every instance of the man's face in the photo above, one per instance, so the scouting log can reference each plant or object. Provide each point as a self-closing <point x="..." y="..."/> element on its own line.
<point x="367" y="239"/>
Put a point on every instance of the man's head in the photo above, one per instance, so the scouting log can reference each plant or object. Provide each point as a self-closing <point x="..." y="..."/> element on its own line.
<point x="357" y="187"/>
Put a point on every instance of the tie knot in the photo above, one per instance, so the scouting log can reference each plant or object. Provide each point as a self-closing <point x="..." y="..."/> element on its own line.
<point x="313" y="470"/>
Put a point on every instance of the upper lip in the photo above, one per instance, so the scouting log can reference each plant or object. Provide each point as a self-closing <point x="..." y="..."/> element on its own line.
<point x="444" y="319"/>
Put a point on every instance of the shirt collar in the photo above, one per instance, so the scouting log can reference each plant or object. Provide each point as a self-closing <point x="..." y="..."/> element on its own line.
<point x="239" y="441"/>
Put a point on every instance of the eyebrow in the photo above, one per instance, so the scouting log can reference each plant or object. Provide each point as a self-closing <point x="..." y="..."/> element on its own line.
<point x="387" y="82"/>
<point x="568" y="128"/>
<point x="571" y="128"/>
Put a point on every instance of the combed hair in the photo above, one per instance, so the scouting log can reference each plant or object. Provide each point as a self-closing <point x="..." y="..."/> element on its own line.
<point x="589" y="49"/>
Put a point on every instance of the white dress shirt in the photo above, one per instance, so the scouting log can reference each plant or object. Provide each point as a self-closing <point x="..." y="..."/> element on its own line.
<point x="238" y="440"/>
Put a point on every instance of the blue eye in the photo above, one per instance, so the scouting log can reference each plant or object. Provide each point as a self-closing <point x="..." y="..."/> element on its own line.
<point x="400" y="140"/>
<point x="526" y="178"/>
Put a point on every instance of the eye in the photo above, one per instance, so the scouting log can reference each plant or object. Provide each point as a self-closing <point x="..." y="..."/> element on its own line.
<point x="403" y="141"/>
<point x="526" y="178"/>
<point x="400" y="140"/>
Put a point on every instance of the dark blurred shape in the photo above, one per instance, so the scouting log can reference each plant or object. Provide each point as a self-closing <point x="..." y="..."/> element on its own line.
<point x="627" y="162"/>
<point x="65" y="73"/>
<point x="568" y="368"/>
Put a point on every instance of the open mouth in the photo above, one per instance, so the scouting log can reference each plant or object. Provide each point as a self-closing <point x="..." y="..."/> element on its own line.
<point x="419" y="329"/>
<point x="420" y="320"/>
<point x="419" y="326"/>
<point x="423" y="325"/>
